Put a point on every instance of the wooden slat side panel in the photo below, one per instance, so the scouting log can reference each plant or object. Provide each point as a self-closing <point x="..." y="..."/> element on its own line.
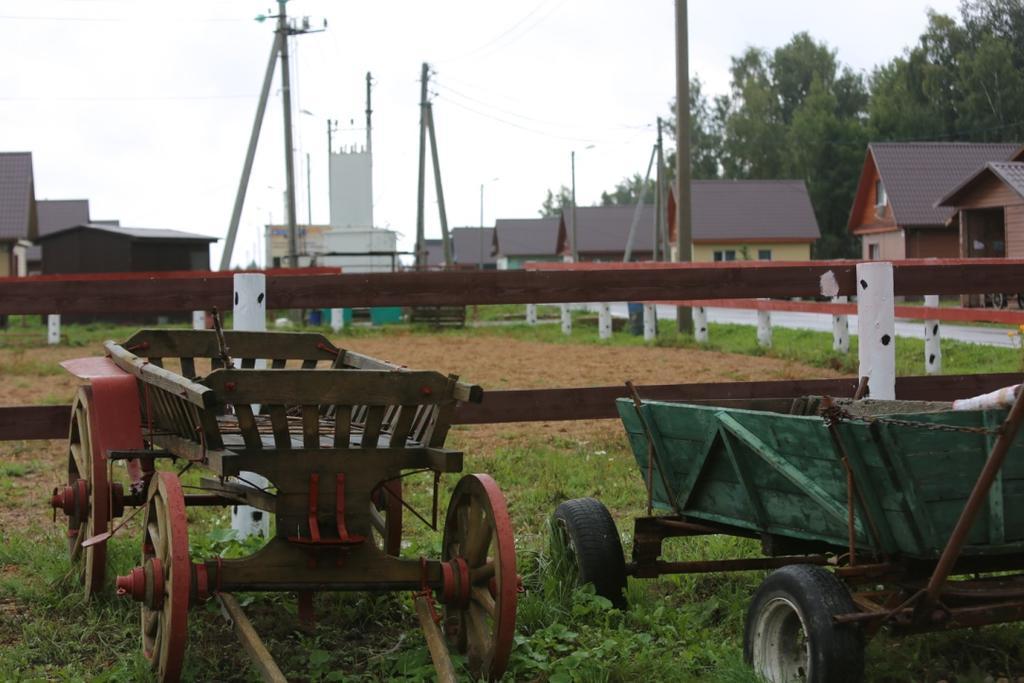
<point x="402" y="425"/>
<point x="311" y="426"/>
<point x="342" y="426"/>
<point x="371" y="429"/>
<point x="247" y="425"/>
<point x="279" y="424"/>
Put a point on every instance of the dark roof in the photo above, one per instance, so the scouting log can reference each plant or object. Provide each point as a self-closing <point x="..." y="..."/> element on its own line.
<point x="527" y="236"/>
<point x="605" y="229"/>
<point x="1010" y="173"/>
<point x="17" y="197"/>
<point x="470" y="243"/>
<point x="136" y="233"/>
<point x="916" y="175"/>
<point x="58" y="214"/>
<point x="753" y="210"/>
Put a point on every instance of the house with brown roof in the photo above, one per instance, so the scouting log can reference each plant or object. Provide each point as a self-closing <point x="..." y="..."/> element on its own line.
<point x="988" y="210"/>
<point x="470" y="248"/>
<point x="518" y="240"/>
<point x="896" y="208"/>
<point x="18" y="219"/>
<point x="749" y="220"/>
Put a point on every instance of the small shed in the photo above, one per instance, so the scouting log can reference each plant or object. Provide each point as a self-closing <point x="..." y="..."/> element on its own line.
<point x="989" y="211"/>
<point x="55" y="215"/>
<point x="106" y="248"/>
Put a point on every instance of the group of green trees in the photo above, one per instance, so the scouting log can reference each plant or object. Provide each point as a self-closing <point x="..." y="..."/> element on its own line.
<point x="798" y="112"/>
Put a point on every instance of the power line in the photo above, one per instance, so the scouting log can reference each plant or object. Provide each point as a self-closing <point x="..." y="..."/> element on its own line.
<point x="162" y="19"/>
<point x="499" y="40"/>
<point x="127" y="98"/>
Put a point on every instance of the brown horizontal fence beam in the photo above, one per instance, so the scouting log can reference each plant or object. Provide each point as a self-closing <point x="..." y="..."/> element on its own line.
<point x="587" y="403"/>
<point x="592" y="284"/>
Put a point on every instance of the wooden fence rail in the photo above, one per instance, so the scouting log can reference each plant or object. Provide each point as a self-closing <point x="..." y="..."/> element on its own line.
<point x="612" y="282"/>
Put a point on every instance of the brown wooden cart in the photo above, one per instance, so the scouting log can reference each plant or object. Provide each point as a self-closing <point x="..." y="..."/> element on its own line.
<point x="334" y="432"/>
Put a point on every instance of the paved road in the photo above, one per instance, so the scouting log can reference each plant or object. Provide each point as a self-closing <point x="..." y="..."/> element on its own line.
<point x="991" y="336"/>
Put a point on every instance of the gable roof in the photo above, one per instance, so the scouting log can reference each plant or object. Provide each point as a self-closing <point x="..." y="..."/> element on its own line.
<point x="527" y="236"/>
<point x="748" y="210"/>
<point x="135" y="233"/>
<point x="58" y="214"/>
<point x="916" y="175"/>
<point x="470" y="243"/>
<point x="1011" y="173"/>
<point x="605" y="229"/>
<point x="17" y="197"/>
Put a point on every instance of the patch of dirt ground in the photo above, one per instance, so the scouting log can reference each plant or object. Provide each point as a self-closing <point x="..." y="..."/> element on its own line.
<point x="32" y="376"/>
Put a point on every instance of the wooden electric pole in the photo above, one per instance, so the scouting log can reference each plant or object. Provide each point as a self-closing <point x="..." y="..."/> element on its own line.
<point x="369" y="138"/>
<point x="421" y="256"/>
<point x="659" y="203"/>
<point x="445" y="239"/>
<point x="684" y="232"/>
<point x="289" y="156"/>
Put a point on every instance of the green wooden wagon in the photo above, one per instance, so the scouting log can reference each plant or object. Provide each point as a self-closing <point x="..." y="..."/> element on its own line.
<point x="335" y="432"/>
<point x="863" y="508"/>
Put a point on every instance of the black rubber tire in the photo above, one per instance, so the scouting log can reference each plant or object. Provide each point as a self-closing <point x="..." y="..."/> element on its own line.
<point x="590" y="536"/>
<point x="805" y="597"/>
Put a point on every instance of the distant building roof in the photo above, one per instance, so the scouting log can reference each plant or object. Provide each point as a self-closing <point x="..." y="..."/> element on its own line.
<point x="916" y="175"/>
<point x="135" y="233"/>
<point x="58" y="214"/>
<point x="1010" y="173"/>
<point x="605" y="229"/>
<point x="527" y="236"/>
<point x="472" y="244"/>
<point x="17" y="197"/>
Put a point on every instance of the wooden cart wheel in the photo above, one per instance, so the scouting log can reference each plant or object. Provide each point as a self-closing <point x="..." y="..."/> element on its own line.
<point x="85" y="499"/>
<point x="166" y="577"/>
<point x="386" y="517"/>
<point x="479" y="552"/>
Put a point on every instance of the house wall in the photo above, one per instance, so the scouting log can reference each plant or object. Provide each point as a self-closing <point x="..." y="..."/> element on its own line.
<point x="5" y="259"/>
<point x="866" y="217"/>
<point x="892" y="245"/>
<point x="991" y="192"/>
<point x="784" y="251"/>
<point x="86" y="251"/>
<point x="179" y="255"/>
<point x="1014" y="215"/>
<point x="932" y="243"/>
<point x="516" y="262"/>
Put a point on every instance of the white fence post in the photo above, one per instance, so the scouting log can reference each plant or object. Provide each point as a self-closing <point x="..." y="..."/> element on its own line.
<point x="700" y="324"/>
<point x="198" y="320"/>
<point x="876" y="328"/>
<point x="337" y="319"/>
<point x="764" y="329"/>
<point x="932" y="339"/>
<point x="250" y="315"/>
<point x="650" y="322"/>
<point x="53" y="328"/>
<point x="531" y="314"/>
<point x="566" y="319"/>
<point x="840" y="328"/>
<point x="604" y="321"/>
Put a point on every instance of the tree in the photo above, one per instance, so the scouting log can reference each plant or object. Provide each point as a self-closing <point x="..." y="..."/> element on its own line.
<point x="705" y="136"/>
<point x="628" y="190"/>
<point x="554" y="204"/>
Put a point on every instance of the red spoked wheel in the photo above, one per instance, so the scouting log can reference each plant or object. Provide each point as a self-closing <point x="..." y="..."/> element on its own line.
<point x="481" y="586"/>
<point x="386" y="516"/>
<point x="85" y="500"/>
<point x="163" y="583"/>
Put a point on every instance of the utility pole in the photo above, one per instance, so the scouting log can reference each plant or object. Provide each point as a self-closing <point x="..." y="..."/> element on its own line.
<point x="575" y="250"/>
<point x="279" y="49"/>
<point x="309" y="195"/>
<point x="369" y="139"/>
<point x="421" y="257"/>
<point x="480" y="263"/>
<point x="684" y="232"/>
<point x="445" y="239"/>
<point x="661" y="233"/>
<point x="289" y="152"/>
<point x="658" y="207"/>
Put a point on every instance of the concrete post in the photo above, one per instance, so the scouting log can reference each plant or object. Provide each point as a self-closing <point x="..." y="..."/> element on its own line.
<point x="700" y="324"/>
<point x="566" y="319"/>
<point x="198" y="320"/>
<point x="932" y="339"/>
<point x="650" y="322"/>
<point x="876" y="328"/>
<point x="604" y="321"/>
<point x="250" y="315"/>
<point x="840" y="328"/>
<point x="337" y="319"/>
<point x="764" y="329"/>
<point x="531" y="314"/>
<point x="53" y="328"/>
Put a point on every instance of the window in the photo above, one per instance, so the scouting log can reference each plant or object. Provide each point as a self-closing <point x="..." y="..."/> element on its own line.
<point x="880" y="197"/>
<point x="725" y="255"/>
<point x="764" y="254"/>
<point x="874" y="252"/>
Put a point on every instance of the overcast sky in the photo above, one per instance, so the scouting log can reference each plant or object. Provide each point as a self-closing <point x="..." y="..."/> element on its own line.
<point x="145" y="108"/>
